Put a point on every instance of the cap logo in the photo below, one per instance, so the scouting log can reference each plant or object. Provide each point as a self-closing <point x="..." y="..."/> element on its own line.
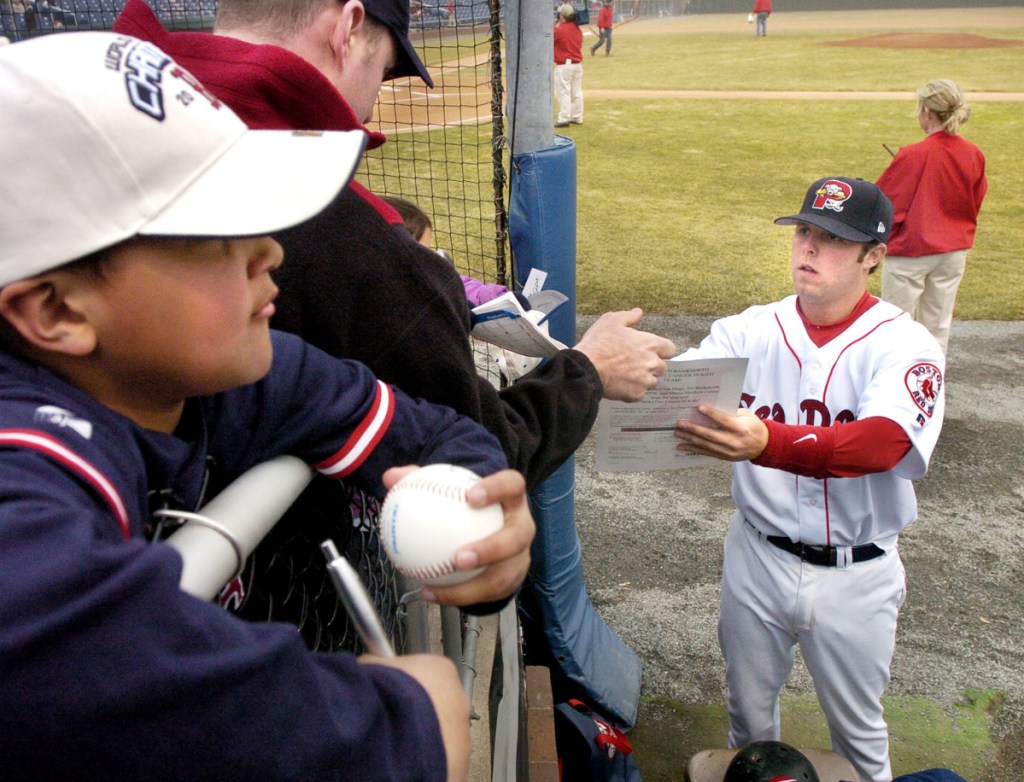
<point x="831" y="195"/>
<point x="881" y="227"/>
<point x="143" y="67"/>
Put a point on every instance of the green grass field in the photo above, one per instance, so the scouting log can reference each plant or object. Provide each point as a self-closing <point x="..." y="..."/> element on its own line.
<point x="676" y="194"/>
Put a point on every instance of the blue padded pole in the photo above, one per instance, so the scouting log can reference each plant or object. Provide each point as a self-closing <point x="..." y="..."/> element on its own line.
<point x="542" y="230"/>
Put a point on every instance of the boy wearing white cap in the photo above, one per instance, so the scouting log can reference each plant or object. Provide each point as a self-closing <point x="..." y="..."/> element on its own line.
<point x="135" y="352"/>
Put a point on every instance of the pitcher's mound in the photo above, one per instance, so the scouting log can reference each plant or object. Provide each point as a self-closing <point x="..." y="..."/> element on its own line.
<point x="928" y="41"/>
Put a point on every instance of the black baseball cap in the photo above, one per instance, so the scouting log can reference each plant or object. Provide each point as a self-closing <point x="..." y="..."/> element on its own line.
<point x="394" y="14"/>
<point x="849" y="208"/>
<point x="766" y="761"/>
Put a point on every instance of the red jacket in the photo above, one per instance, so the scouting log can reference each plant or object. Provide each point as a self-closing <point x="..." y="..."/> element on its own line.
<point x="604" y="17"/>
<point x="568" y="43"/>
<point x="936" y="187"/>
<point x="762" y="6"/>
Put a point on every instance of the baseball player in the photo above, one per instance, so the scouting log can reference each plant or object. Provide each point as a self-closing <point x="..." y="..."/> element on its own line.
<point x="841" y="407"/>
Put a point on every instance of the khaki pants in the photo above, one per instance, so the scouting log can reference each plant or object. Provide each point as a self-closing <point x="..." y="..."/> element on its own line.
<point x="926" y="288"/>
<point x="569" y="92"/>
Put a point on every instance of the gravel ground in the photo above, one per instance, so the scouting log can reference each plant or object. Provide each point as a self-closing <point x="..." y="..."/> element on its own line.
<point x="652" y="551"/>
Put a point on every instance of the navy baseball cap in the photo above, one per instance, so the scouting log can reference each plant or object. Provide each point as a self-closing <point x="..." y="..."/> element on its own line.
<point x="849" y="208"/>
<point x="394" y="14"/>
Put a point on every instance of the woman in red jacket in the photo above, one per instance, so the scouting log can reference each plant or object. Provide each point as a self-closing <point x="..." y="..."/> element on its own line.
<point x="936" y="187"/>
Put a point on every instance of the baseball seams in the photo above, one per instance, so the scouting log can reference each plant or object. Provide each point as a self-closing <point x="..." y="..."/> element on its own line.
<point x="446" y="492"/>
<point x="416" y="483"/>
<point x="426" y="518"/>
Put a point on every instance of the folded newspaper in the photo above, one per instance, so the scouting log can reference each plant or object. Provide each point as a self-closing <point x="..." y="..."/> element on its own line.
<point x="504" y="322"/>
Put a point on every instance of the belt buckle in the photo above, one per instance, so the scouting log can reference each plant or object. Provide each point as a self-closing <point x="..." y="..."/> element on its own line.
<point x="818" y="555"/>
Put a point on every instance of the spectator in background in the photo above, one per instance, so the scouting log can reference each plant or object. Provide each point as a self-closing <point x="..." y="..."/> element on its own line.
<point x="568" y="68"/>
<point x="357" y="287"/>
<point x="936" y="187"/>
<point x="762" y="10"/>
<point x="41" y="15"/>
<point x="605" y="18"/>
<point x="419" y="225"/>
<point x="511" y="365"/>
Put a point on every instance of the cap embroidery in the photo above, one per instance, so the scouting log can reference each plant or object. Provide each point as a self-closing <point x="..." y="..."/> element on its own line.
<point x="831" y="195"/>
<point x="143" y="67"/>
<point x="881" y="228"/>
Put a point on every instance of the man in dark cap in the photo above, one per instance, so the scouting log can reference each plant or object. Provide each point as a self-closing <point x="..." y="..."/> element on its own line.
<point x="357" y="284"/>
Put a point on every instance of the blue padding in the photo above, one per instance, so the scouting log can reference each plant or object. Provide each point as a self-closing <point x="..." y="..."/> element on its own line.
<point x="542" y="225"/>
<point x="542" y="230"/>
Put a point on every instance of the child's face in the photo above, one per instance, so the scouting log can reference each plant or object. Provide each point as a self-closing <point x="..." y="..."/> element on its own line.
<point x="176" y="318"/>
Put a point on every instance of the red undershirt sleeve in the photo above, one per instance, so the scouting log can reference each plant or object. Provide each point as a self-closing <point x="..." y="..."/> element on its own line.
<point x="841" y="451"/>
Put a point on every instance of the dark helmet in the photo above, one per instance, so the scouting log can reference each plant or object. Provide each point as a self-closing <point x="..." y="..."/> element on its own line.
<point x="770" y="761"/>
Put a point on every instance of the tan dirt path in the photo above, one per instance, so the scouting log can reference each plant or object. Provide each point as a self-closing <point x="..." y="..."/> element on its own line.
<point x="789" y="95"/>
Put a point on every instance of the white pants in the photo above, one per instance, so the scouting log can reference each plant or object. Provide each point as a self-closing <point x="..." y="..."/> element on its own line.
<point x="844" y="620"/>
<point x="926" y="288"/>
<point x="569" y="91"/>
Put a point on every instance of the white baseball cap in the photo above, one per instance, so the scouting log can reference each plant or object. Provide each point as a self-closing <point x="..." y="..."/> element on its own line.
<point x="103" y="137"/>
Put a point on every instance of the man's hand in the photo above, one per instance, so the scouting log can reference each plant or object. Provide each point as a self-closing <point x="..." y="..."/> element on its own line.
<point x="732" y="438"/>
<point x="439" y="677"/>
<point x="505" y="555"/>
<point x="629" y="361"/>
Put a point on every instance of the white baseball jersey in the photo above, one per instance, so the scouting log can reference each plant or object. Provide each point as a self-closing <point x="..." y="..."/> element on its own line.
<point x="884" y="365"/>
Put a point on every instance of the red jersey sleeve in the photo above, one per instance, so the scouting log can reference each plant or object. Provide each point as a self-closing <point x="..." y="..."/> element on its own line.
<point x="841" y="451"/>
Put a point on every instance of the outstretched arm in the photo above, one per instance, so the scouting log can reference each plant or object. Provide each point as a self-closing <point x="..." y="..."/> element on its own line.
<point x="848" y="450"/>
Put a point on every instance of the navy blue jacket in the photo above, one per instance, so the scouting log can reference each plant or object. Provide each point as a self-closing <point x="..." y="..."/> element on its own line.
<point x="108" y="670"/>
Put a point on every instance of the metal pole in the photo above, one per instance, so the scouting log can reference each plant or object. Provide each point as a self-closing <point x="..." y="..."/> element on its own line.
<point x="529" y="50"/>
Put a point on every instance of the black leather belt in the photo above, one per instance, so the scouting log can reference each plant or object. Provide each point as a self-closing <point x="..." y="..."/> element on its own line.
<point x="823" y="555"/>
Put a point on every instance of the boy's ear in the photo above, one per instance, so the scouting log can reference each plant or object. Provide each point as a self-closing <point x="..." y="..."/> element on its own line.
<point x="42" y="314"/>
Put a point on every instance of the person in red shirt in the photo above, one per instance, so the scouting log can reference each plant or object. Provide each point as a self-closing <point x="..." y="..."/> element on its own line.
<point x="762" y="9"/>
<point x="568" y="68"/>
<point x="604" y="28"/>
<point x="936" y="187"/>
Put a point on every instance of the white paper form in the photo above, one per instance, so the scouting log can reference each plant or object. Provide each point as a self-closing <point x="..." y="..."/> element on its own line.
<point x="637" y="436"/>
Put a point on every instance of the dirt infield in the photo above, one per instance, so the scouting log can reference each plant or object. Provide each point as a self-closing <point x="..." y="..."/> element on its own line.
<point x="406" y="105"/>
<point x="929" y="41"/>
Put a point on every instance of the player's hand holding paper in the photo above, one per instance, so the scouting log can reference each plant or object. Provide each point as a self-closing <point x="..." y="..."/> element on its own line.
<point x="638" y="436"/>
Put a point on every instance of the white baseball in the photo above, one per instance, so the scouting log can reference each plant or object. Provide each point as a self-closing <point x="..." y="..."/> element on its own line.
<point x="425" y="519"/>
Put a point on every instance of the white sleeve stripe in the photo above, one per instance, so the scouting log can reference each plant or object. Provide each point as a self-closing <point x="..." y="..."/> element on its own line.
<point x="365" y="438"/>
<point x="58" y="451"/>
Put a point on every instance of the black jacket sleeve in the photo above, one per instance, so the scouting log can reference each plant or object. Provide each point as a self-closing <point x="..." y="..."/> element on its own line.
<point x="358" y="287"/>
